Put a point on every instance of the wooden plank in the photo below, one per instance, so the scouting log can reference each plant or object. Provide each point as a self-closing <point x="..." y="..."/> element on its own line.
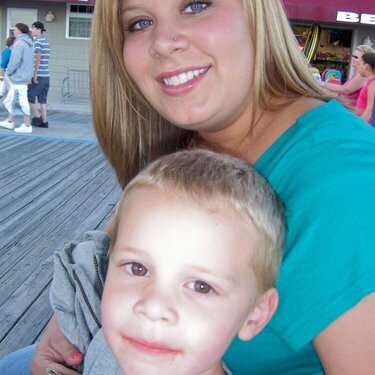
<point x="59" y="190"/>
<point x="71" y="208"/>
<point x="29" y="326"/>
<point x="44" y="180"/>
<point x="18" y="170"/>
<point x="23" y="297"/>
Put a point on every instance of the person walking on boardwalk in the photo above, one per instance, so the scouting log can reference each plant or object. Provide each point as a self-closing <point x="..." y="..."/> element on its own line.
<point x="40" y="83"/>
<point x="20" y="72"/>
<point x="5" y="57"/>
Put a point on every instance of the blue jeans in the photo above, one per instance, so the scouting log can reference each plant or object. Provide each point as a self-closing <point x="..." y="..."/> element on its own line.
<point x="19" y="362"/>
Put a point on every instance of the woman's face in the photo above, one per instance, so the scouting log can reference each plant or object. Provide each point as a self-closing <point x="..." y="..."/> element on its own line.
<point x="192" y="60"/>
<point x="356" y="59"/>
<point x="16" y="32"/>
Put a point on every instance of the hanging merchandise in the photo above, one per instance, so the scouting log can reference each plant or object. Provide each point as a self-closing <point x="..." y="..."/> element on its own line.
<point x="312" y="42"/>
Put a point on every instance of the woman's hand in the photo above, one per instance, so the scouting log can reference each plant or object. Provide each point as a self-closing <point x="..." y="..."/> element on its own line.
<point x="54" y="351"/>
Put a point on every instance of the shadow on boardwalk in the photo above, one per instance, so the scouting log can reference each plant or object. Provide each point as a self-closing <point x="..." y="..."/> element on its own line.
<point x="51" y="191"/>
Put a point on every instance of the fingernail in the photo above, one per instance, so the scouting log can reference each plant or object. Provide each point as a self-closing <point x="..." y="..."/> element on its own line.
<point x="76" y="355"/>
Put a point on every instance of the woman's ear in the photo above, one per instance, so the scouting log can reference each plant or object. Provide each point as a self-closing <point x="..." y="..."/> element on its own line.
<point x="260" y="315"/>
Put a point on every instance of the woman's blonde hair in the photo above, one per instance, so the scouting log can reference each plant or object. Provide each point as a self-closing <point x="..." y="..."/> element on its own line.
<point x="131" y="132"/>
<point x="210" y="181"/>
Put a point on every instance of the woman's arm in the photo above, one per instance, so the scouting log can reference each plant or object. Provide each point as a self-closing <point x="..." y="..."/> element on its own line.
<point x="56" y="352"/>
<point x="347" y="346"/>
<point x="367" y="113"/>
<point x="352" y="85"/>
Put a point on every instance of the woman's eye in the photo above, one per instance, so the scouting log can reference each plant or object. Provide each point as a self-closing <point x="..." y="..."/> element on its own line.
<point x="196" y="7"/>
<point x="136" y="269"/>
<point x="139" y="25"/>
<point x="200" y="287"/>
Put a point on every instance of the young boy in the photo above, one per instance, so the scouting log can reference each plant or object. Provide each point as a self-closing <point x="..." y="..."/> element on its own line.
<point x="193" y="262"/>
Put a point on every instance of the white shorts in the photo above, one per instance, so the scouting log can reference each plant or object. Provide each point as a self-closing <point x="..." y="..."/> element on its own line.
<point x="6" y="85"/>
<point x="16" y="101"/>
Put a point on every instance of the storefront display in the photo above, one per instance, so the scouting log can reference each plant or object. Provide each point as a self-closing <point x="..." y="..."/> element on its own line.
<point x="332" y="50"/>
<point x="329" y="30"/>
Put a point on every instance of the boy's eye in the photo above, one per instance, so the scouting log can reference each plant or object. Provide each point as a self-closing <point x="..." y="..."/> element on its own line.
<point x="139" y="25"/>
<point x="136" y="269"/>
<point x="196" y="6"/>
<point x="200" y="287"/>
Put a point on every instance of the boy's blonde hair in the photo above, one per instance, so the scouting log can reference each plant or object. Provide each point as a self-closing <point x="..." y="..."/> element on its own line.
<point x="211" y="180"/>
<point x="130" y="131"/>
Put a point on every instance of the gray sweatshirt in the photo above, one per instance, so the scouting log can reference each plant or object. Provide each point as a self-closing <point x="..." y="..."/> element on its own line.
<point x="21" y="64"/>
<point x="76" y="291"/>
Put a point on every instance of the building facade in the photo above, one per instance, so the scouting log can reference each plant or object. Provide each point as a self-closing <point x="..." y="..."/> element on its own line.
<point x="68" y="25"/>
<point x="344" y="24"/>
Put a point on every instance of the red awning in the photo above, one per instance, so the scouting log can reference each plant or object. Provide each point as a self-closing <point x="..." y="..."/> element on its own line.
<point x="327" y="10"/>
<point x="68" y="1"/>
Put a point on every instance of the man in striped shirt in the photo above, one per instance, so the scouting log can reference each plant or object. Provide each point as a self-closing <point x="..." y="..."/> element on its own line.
<point x="38" y="89"/>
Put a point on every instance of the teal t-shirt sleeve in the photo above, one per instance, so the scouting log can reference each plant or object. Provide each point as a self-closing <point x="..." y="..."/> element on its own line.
<point x="323" y="168"/>
<point x="331" y="265"/>
<point x="327" y="182"/>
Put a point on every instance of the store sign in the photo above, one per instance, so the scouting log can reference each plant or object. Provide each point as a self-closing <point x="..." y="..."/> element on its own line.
<point x="365" y="18"/>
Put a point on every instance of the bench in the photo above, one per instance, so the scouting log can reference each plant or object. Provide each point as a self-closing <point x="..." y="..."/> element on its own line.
<point x="75" y="86"/>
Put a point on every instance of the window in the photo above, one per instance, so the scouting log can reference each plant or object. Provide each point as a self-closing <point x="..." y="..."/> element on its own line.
<point x="79" y="20"/>
<point x="20" y="15"/>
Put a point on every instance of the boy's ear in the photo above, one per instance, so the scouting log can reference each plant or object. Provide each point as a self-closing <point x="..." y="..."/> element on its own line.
<point x="260" y="315"/>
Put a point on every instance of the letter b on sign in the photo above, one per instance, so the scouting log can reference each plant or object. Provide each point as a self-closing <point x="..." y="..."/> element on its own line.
<point x="347" y="17"/>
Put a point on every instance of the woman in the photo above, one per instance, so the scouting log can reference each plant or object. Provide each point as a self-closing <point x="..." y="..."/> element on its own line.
<point x="228" y="75"/>
<point x="365" y="101"/>
<point x="351" y="88"/>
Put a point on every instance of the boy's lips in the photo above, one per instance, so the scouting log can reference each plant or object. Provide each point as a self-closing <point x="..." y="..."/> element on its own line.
<point x="151" y="347"/>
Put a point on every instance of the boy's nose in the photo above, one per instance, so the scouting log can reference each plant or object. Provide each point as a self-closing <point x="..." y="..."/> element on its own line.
<point x="157" y="306"/>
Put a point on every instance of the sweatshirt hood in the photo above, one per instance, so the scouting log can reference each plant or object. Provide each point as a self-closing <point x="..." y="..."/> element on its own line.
<point x="25" y="38"/>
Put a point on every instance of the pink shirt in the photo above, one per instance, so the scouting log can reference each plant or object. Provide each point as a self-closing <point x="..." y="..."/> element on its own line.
<point x="353" y="96"/>
<point x="362" y="98"/>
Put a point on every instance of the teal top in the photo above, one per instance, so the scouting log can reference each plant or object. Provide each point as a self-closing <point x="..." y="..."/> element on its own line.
<point x="323" y="168"/>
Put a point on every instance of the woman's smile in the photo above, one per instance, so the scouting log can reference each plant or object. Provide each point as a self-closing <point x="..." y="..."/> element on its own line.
<point x="180" y="83"/>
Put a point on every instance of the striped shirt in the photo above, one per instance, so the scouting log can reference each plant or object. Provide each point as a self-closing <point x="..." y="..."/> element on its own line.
<point x="41" y="45"/>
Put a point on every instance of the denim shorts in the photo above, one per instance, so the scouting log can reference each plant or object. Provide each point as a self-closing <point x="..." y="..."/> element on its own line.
<point x="38" y="90"/>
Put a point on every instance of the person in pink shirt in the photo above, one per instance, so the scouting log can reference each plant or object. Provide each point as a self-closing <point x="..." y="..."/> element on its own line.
<point x="365" y="101"/>
<point x="351" y="88"/>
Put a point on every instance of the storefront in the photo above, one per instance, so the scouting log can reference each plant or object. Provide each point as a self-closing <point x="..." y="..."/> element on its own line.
<point x="339" y="26"/>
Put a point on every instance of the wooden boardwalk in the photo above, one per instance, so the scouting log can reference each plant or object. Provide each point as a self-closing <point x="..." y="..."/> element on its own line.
<point x="51" y="191"/>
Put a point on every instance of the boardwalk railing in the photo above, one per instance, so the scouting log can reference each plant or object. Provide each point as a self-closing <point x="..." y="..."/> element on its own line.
<point x="75" y="86"/>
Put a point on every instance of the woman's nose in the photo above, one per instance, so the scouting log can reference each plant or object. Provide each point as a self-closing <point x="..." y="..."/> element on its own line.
<point x="157" y="305"/>
<point x="167" y="41"/>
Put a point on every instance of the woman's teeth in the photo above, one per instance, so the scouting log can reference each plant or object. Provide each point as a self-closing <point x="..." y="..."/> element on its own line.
<point x="179" y="79"/>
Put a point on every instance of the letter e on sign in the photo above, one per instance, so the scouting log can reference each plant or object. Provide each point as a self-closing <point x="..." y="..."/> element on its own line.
<point x="368" y="18"/>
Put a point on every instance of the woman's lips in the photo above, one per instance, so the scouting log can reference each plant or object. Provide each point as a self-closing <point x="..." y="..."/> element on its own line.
<point x="151" y="348"/>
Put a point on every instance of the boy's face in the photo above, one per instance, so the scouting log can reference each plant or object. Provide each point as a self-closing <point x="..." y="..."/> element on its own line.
<point x="180" y="285"/>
